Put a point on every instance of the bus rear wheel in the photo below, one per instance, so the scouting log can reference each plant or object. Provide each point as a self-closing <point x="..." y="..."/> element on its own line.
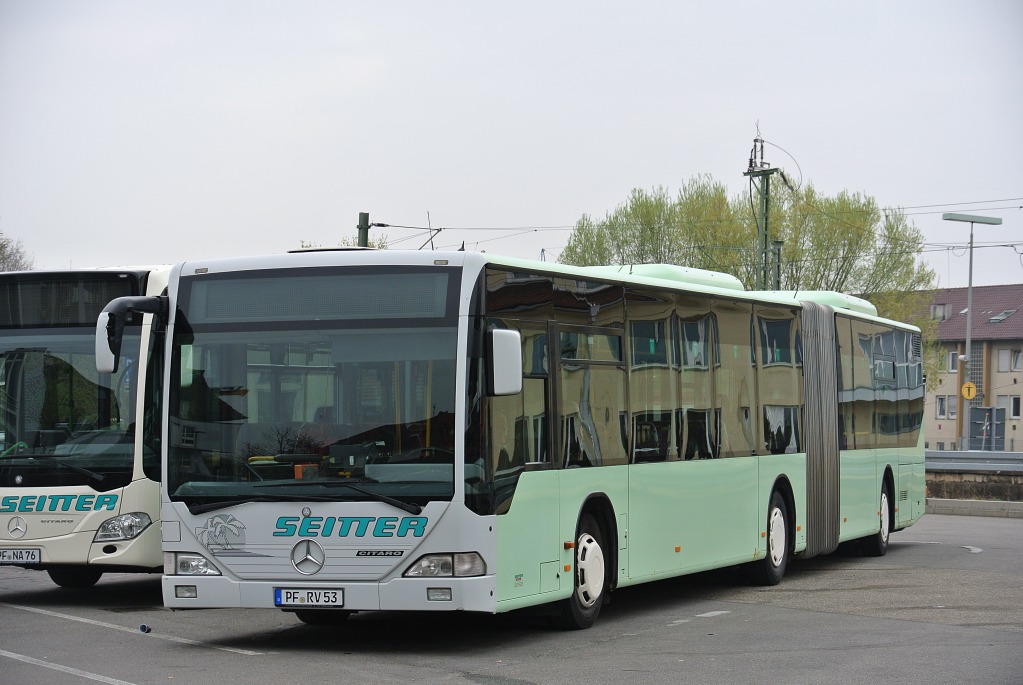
<point x="590" y="578"/>
<point x="74" y="577"/>
<point x="771" y="569"/>
<point x="877" y="545"/>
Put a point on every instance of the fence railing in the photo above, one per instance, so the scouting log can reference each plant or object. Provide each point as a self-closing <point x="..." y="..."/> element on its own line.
<point x="985" y="462"/>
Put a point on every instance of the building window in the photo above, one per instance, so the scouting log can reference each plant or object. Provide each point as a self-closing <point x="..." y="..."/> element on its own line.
<point x="939" y="312"/>
<point x="941" y="447"/>
<point x="1008" y="360"/>
<point x="940" y="404"/>
<point x="1017" y="360"/>
<point x="953" y="361"/>
<point x="1014" y="407"/>
<point x="953" y="406"/>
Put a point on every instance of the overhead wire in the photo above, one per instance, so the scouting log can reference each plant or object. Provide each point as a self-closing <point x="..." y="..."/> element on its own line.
<point x="923" y="247"/>
<point x="830" y="214"/>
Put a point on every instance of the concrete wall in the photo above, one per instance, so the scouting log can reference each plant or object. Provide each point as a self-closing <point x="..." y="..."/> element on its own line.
<point x="958" y="485"/>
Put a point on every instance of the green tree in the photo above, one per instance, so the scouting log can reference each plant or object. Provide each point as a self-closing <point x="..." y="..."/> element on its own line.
<point x="654" y="227"/>
<point x="13" y="255"/>
<point x="844" y="243"/>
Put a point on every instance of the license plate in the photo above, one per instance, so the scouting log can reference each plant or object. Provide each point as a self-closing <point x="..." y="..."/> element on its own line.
<point x="25" y="555"/>
<point x="296" y="597"/>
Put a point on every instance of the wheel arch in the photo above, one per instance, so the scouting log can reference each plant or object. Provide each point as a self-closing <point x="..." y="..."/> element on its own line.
<point x="783" y="486"/>
<point x="888" y="478"/>
<point x="598" y="505"/>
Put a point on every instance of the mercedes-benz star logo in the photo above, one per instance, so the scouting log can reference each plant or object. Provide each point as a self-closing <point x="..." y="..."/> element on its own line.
<point x="17" y="527"/>
<point x="307" y="557"/>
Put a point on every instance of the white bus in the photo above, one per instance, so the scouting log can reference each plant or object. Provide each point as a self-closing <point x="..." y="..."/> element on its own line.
<point x="79" y="457"/>
<point x="386" y="430"/>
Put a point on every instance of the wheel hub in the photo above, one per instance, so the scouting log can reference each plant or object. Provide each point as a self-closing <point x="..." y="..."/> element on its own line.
<point x="589" y="570"/>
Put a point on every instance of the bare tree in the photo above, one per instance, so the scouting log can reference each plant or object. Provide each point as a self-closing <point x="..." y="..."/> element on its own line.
<point x="13" y="256"/>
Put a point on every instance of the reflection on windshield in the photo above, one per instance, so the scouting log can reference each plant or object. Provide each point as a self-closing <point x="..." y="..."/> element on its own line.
<point x="297" y="408"/>
<point x="63" y="423"/>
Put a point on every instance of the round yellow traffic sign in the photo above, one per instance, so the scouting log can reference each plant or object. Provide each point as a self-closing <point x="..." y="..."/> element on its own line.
<point x="969" y="390"/>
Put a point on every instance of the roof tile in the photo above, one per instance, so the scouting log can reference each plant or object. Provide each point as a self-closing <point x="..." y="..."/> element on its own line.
<point x="988" y="301"/>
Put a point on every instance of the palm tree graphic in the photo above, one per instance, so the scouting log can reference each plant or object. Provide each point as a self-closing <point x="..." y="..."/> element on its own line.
<point x="219" y="531"/>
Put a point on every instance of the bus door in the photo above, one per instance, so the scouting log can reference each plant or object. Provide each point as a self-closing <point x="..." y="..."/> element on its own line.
<point x="526" y="490"/>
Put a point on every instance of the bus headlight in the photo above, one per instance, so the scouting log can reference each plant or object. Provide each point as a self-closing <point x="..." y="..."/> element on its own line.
<point x="123" y="527"/>
<point x="187" y="564"/>
<point x="457" y="564"/>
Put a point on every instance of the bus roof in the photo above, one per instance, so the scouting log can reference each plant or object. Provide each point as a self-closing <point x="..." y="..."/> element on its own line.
<point x="668" y="276"/>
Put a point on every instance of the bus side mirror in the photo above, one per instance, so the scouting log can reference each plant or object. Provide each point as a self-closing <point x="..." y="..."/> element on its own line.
<point x="110" y="326"/>
<point x="504" y="362"/>
<point x="108" y="341"/>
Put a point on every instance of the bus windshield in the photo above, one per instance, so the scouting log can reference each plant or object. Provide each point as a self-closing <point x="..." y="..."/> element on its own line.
<point x="63" y="423"/>
<point x="304" y="398"/>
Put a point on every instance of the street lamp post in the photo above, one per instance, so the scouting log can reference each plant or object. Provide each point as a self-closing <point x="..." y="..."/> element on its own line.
<point x="965" y="389"/>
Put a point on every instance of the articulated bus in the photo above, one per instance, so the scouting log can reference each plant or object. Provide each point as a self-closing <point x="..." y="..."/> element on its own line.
<point x="349" y="431"/>
<point x="79" y="457"/>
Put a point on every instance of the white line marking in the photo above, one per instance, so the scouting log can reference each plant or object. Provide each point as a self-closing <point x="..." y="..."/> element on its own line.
<point x="64" y="669"/>
<point x="134" y="631"/>
<point x="973" y="550"/>
<point x="711" y="614"/>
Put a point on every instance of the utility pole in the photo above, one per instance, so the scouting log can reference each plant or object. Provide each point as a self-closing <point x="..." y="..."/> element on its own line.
<point x="758" y="168"/>
<point x="776" y="250"/>
<point x="363" y="229"/>
<point x="968" y="389"/>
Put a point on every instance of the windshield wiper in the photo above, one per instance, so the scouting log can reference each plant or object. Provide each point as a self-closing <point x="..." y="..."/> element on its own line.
<point x="197" y="508"/>
<point x="78" y="469"/>
<point x="60" y="462"/>
<point x="410" y="507"/>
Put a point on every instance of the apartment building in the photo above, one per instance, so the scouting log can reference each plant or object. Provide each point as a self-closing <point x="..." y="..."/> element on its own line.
<point x="992" y="417"/>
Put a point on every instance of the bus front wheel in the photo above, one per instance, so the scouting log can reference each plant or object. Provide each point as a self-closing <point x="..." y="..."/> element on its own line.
<point x="74" y="577"/>
<point x="590" y="578"/>
<point x="771" y="569"/>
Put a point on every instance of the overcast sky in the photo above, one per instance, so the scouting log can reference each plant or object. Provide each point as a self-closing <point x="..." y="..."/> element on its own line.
<point x="151" y="132"/>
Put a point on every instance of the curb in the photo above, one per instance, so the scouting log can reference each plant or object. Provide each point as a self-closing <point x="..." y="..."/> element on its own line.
<point x="975" y="507"/>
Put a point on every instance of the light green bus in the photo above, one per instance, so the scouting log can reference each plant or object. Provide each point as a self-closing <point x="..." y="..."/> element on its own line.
<point x="352" y="431"/>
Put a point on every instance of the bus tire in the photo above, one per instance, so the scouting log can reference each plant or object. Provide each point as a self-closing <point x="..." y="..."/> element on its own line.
<point x="322" y="617"/>
<point x="589" y="584"/>
<point x="771" y="569"/>
<point x="877" y="545"/>
<point x="74" y="577"/>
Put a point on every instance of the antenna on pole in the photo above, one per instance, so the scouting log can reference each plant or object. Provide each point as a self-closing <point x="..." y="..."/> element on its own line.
<point x="433" y="233"/>
<point x="758" y="168"/>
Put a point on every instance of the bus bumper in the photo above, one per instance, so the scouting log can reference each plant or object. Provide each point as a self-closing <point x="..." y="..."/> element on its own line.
<point x="398" y="594"/>
<point x="79" y="549"/>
